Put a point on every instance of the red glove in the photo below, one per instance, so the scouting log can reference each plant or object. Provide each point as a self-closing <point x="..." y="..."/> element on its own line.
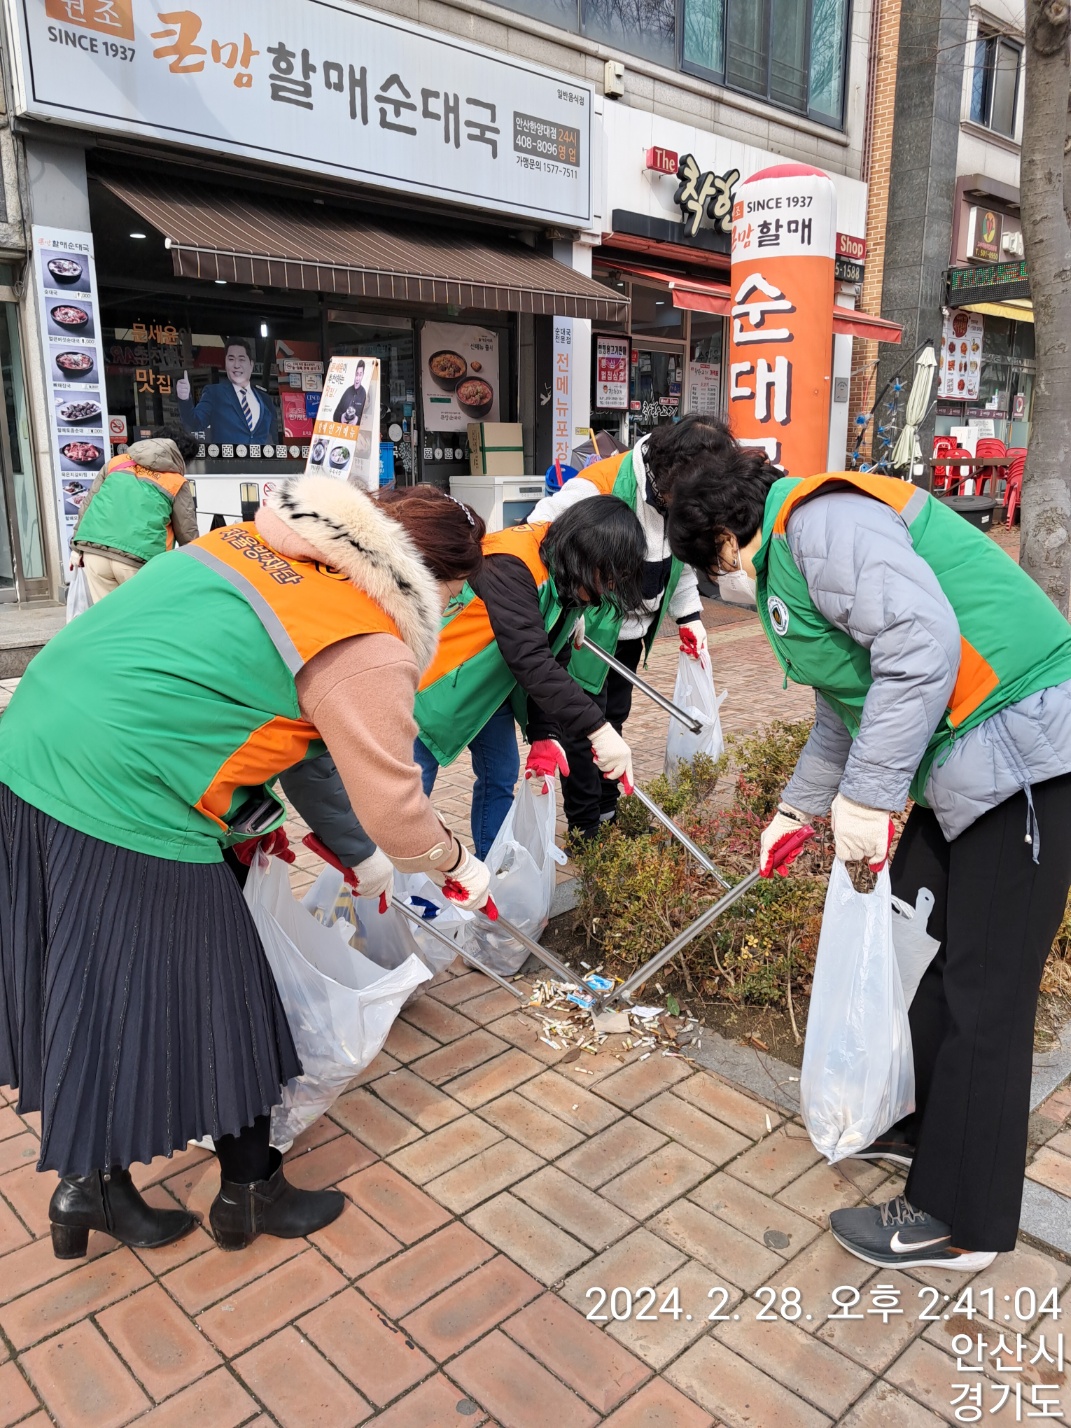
<point x="693" y="639"/>
<point x="276" y="844"/>
<point x="546" y="758"/>
<point x="782" y="841"/>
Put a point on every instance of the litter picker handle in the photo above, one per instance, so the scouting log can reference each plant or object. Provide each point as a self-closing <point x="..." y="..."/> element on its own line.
<point x="696" y="726"/>
<point x="690" y="933"/>
<point x="680" y="835"/>
<point x="429" y="926"/>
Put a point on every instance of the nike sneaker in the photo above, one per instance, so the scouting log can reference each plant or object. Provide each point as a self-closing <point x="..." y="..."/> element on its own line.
<point x="893" y="1145"/>
<point x="897" y="1234"/>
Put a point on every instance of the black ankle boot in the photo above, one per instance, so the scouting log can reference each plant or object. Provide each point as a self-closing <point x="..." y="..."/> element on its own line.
<point x="271" y="1207"/>
<point x="108" y="1200"/>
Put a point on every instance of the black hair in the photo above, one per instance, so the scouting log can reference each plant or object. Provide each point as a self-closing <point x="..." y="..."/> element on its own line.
<point x="188" y="445"/>
<point x="676" y="446"/>
<point x="243" y="342"/>
<point x="597" y="546"/>
<point x="716" y="498"/>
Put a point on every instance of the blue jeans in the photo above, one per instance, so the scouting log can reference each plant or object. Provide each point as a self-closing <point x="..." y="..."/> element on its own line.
<point x="496" y="763"/>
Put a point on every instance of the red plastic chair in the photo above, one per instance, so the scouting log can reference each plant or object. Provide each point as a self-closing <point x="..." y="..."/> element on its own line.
<point x="989" y="446"/>
<point x="1013" y="490"/>
<point x="957" y="475"/>
<point x="943" y="446"/>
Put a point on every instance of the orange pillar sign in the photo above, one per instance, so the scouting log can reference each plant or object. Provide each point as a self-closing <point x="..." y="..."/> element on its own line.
<point x="781" y="334"/>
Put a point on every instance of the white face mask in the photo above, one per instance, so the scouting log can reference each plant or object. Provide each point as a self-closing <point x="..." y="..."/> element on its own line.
<point x="738" y="588"/>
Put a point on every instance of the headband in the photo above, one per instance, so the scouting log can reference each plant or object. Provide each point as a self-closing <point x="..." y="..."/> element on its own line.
<point x="463" y="507"/>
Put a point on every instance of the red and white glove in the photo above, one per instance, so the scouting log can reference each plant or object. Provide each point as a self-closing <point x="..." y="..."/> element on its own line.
<point x="693" y="639"/>
<point x="546" y="758"/>
<point x="375" y="874"/>
<point x="782" y="840"/>
<point x="613" y="755"/>
<point x="579" y="632"/>
<point x="860" y="832"/>
<point x="467" y="884"/>
<point x="276" y="844"/>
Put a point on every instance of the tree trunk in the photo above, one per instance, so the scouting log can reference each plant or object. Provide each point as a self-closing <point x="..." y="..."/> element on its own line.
<point x="1046" y="509"/>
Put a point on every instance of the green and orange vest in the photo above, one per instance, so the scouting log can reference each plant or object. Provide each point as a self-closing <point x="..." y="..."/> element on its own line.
<point x="1014" y="640"/>
<point x="615" y="476"/>
<point x="468" y="678"/>
<point x="151" y="719"/>
<point x="132" y="509"/>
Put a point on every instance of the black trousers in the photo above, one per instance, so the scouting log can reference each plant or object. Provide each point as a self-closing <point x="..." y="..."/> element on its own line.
<point x="588" y="798"/>
<point x="995" y="913"/>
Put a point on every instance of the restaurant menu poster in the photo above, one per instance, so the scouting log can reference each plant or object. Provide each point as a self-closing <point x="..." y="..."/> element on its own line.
<point x="345" y="435"/>
<point x="611" y="374"/>
<point x="704" y="388"/>
<point x="459" y="376"/>
<point x="66" y="282"/>
<point x="961" y="356"/>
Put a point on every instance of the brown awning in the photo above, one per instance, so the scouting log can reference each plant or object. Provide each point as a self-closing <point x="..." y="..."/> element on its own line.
<point x="214" y="234"/>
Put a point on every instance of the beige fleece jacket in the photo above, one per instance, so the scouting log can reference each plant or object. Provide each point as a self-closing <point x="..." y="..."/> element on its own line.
<point x="359" y="694"/>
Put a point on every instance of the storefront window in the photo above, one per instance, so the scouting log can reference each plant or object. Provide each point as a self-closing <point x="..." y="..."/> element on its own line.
<point x="24" y="489"/>
<point x="657" y="380"/>
<point x="392" y="340"/>
<point x="647" y="28"/>
<point x="653" y="313"/>
<point x="704" y="384"/>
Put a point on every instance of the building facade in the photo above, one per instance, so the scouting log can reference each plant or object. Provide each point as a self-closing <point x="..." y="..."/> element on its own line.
<point x="478" y="196"/>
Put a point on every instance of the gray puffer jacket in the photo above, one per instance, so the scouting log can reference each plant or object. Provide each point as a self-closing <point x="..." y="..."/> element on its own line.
<point x="863" y="575"/>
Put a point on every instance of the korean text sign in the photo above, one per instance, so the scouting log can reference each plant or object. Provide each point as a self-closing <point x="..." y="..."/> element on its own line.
<point x="345" y="437"/>
<point x="562" y="443"/>
<point x="321" y="86"/>
<point x="781" y="326"/>
<point x="74" y="364"/>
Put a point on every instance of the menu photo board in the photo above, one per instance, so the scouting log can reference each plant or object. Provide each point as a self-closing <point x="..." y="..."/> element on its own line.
<point x="66" y="281"/>
<point x="704" y="388"/>
<point x="611" y="373"/>
<point x="960" y="367"/>
<point x="345" y="435"/>
<point x="460" y="376"/>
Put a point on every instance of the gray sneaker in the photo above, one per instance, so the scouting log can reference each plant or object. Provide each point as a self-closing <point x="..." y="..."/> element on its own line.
<point x="897" y="1234"/>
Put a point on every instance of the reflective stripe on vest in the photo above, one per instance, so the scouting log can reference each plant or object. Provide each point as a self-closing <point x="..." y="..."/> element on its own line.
<point x="304" y="609"/>
<point x="465" y="634"/>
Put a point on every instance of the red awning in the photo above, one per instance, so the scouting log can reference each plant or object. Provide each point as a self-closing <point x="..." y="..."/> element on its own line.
<point x="698" y="295"/>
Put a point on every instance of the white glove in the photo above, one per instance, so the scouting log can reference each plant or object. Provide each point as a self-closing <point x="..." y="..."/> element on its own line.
<point x="467" y="884"/>
<point x="696" y="646"/>
<point x="182" y="387"/>
<point x="860" y="832"/>
<point x="375" y="875"/>
<point x="783" y="839"/>
<point x="613" y="755"/>
<point x="579" y="631"/>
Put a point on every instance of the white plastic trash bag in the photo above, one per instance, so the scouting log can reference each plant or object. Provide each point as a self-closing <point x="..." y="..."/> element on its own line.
<point x="694" y="693"/>
<point x="915" y="948"/>
<point x="340" y="1005"/>
<point x="858" y="1078"/>
<point x="78" y="596"/>
<point x="435" y="910"/>
<point x="522" y="860"/>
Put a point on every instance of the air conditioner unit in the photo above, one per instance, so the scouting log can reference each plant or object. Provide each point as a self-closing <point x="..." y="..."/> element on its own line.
<point x="1012" y="244"/>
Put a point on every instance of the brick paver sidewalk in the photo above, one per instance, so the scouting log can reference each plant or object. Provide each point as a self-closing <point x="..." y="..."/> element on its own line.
<point x="494" y="1191"/>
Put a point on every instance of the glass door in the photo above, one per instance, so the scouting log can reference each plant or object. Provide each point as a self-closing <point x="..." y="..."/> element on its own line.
<point x="22" y="562"/>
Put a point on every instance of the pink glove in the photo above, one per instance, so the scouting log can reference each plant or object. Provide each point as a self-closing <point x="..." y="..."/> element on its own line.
<point x="276" y="844"/>
<point x="546" y="758"/>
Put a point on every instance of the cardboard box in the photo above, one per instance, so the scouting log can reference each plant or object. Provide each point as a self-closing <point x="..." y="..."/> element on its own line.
<point x="496" y="448"/>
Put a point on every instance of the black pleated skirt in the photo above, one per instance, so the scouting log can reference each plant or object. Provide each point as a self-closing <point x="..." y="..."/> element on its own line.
<point x="137" y="1009"/>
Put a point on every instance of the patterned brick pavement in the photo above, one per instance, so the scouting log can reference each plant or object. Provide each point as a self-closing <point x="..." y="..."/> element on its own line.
<point x="494" y="1191"/>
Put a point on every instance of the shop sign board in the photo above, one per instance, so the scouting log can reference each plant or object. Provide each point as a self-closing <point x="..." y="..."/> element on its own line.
<point x="611" y="373"/>
<point x="781" y="331"/>
<point x="960" y="366"/>
<point x="345" y="437"/>
<point x="704" y="388"/>
<point x="983" y="235"/>
<point x="702" y="194"/>
<point x="661" y="161"/>
<point x="459" y="374"/>
<point x="562" y="404"/>
<point x="69" y="314"/>
<point x="323" y="87"/>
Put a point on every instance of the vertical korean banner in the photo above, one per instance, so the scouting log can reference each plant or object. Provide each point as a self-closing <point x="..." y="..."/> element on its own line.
<point x="562" y="444"/>
<point x="74" y="367"/>
<point x="345" y="438"/>
<point x="781" y="340"/>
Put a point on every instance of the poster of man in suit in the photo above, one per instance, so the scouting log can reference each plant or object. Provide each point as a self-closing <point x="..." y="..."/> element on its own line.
<point x="233" y="411"/>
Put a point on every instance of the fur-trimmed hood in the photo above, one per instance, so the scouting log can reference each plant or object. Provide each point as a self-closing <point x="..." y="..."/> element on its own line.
<point x="350" y="532"/>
